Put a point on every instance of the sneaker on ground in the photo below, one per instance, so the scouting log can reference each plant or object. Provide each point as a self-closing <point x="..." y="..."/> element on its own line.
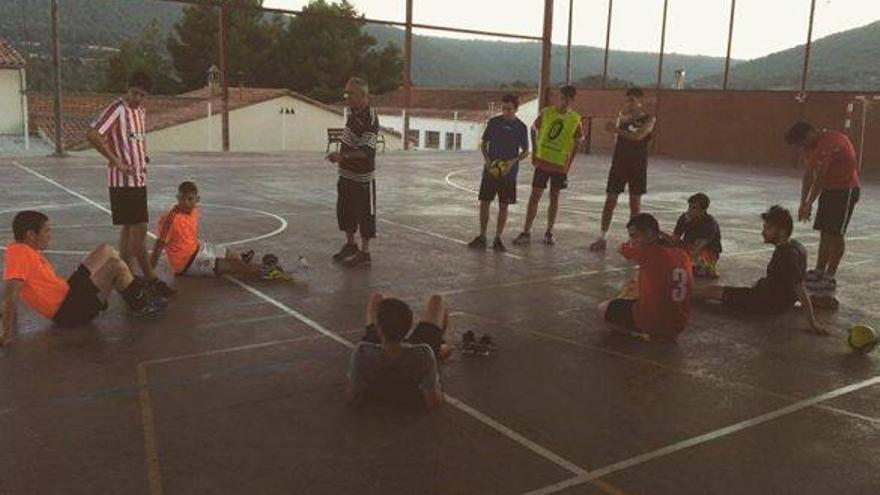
<point x="479" y="242"/>
<point x="149" y="307"/>
<point x="347" y="251"/>
<point x="274" y="272"/>
<point x="160" y="288"/>
<point x="814" y="275"/>
<point x="549" y="239"/>
<point x="361" y="258"/>
<point x="599" y="245"/>
<point x="498" y="246"/>
<point x="523" y="239"/>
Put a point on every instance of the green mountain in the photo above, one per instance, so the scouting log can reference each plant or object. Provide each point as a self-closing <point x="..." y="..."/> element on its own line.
<point x="845" y="61"/>
<point x="94" y="28"/>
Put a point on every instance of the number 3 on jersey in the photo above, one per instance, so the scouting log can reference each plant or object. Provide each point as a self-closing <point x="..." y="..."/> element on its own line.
<point x="679" y="285"/>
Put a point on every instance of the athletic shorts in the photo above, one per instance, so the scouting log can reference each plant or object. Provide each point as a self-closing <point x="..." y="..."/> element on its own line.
<point x="129" y="205"/>
<point x="557" y="180"/>
<point x="82" y="304"/>
<point x="835" y="210"/>
<point x="633" y="176"/>
<point x="204" y="262"/>
<point x="505" y="189"/>
<point x="620" y="312"/>
<point x="752" y="300"/>
<point x="423" y="333"/>
<point x="356" y="207"/>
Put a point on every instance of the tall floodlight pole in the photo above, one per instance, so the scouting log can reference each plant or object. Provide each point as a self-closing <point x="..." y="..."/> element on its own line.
<point x="56" y="63"/>
<point x="807" y="49"/>
<point x="726" y="80"/>
<point x="407" y="72"/>
<point x="568" y="45"/>
<point x="607" y="44"/>
<point x="546" y="47"/>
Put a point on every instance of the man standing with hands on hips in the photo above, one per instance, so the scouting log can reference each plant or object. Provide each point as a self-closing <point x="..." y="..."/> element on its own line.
<point x="118" y="134"/>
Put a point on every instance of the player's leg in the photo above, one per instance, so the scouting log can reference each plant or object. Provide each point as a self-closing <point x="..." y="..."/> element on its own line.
<point x="532" y="209"/>
<point x="346" y="220"/>
<point x="371" y="318"/>
<point x="124" y="251"/>
<point x="103" y="265"/>
<point x="552" y="210"/>
<point x="236" y="266"/>
<point x="432" y="326"/>
<point x="635" y="204"/>
<point x="484" y="217"/>
<point x="137" y="243"/>
<point x="503" y="211"/>
<point x="836" y="248"/>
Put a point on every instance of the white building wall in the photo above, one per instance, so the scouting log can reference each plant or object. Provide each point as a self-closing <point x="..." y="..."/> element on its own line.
<point x="257" y="128"/>
<point x="11" y="116"/>
<point x="471" y="132"/>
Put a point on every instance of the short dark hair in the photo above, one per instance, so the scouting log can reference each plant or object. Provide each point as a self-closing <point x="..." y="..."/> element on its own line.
<point x="187" y="187"/>
<point x="635" y="92"/>
<point x="140" y="79"/>
<point x="780" y="218"/>
<point x="510" y="98"/>
<point x="568" y="90"/>
<point x="797" y="133"/>
<point x="26" y="221"/>
<point x="644" y="222"/>
<point x="394" y="319"/>
<point x="699" y="199"/>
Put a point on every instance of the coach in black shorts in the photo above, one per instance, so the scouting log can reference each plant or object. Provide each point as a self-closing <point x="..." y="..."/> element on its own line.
<point x="118" y="134"/>
<point x="629" y="165"/>
<point x="356" y="160"/>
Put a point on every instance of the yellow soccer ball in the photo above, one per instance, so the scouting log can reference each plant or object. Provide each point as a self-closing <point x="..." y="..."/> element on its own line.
<point x="861" y="338"/>
<point x="498" y="168"/>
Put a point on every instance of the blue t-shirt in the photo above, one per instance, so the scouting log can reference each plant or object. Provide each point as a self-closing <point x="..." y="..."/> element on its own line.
<point x="507" y="140"/>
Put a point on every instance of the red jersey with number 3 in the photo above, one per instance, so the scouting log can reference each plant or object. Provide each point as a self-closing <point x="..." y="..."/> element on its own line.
<point x="666" y="281"/>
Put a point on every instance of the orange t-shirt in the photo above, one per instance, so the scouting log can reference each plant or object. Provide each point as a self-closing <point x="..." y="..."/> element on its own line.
<point x="180" y="233"/>
<point x="42" y="290"/>
<point x="666" y="281"/>
<point x="835" y="148"/>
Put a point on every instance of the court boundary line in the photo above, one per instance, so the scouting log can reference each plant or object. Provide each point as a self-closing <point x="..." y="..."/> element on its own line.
<point x="705" y="437"/>
<point x="144" y="398"/>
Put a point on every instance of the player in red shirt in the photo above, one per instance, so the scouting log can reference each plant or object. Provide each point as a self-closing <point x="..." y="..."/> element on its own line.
<point x="661" y="305"/>
<point x="831" y="174"/>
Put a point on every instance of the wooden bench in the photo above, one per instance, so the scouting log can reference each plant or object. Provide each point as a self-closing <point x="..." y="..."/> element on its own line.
<point x="334" y="137"/>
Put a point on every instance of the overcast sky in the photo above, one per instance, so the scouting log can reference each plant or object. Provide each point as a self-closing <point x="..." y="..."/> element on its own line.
<point x="696" y="27"/>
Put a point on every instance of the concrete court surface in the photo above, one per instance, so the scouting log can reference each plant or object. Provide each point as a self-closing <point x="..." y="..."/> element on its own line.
<point x="239" y="387"/>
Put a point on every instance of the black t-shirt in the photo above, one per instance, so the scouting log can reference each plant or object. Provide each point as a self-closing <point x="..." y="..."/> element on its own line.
<point x="786" y="270"/>
<point x="702" y="228"/>
<point x="628" y="152"/>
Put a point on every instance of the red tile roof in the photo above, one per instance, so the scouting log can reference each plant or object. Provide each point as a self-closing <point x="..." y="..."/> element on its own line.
<point x="442" y="102"/>
<point x="163" y="111"/>
<point x="9" y="56"/>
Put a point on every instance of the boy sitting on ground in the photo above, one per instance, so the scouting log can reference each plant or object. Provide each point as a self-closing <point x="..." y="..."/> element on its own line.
<point x="658" y="305"/>
<point x="701" y="236"/>
<point x="784" y="283"/>
<point x="188" y="255"/>
<point x="76" y="301"/>
<point x="388" y="365"/>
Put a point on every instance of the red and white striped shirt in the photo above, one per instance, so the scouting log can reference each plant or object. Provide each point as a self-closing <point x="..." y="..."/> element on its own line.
<point x="125" y="129"/>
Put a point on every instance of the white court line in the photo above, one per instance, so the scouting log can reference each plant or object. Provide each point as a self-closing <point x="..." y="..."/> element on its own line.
<point x="281" y="228"/>
<point x="53" y="251"/>
<point x="704" y="438"/>
<point x="50" y="206"/>
<point x="474" y="413"/>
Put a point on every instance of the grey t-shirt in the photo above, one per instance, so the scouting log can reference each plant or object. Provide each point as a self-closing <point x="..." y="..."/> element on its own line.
<point x="373" y="374"/>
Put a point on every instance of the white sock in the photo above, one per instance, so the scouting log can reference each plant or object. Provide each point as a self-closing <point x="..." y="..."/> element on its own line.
<point x="602" y="234"/>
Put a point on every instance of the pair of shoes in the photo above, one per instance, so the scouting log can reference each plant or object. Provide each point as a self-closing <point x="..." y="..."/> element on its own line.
<point x="149" y="307"/>
<point x="479" y="242"/>
<point x="248" y="256"/>
<point x="598" y="246"/>
<point x="360" y="258"/>
<point x="524" y="238"/>
<point x="814" y="275"/>
<point x="482" y="347"/>
<point x="160" y="289"/>
<point x="347" y="251"/>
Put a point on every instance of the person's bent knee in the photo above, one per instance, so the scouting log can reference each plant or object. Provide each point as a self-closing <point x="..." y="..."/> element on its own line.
<point x="107" y="250"/>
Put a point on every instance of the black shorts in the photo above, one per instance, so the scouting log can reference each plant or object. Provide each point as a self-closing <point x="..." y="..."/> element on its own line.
<point x="82" y="304"/>
<point x="423" y="333"/>
<point x="129" y="205"/>
<point x="835" y="210"/>
<point x="504" y="188"/>
<point x="620" y="313"/>
<point x="356" y="207"/>
<point x="558" y="181"/>
<point x="753" y="300"/>
<point x="634" y="176"/>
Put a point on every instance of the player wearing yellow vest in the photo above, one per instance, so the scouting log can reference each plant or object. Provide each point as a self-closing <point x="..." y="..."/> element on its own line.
<point x="556" y="134"/>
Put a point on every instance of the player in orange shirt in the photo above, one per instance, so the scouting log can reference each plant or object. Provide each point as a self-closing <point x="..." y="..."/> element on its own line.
<point x="29" y="276"/>
<point x="188" y="255"/>
<point x="661" y="304"/>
